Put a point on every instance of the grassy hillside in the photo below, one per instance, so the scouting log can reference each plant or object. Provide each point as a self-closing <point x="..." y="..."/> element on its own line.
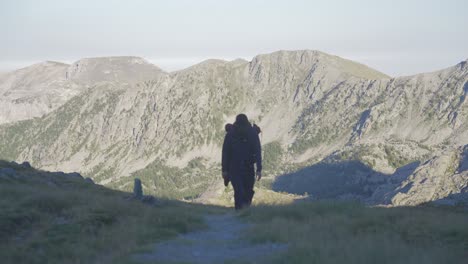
<point x="57" y="218"/>
<point x="336" y="232"/>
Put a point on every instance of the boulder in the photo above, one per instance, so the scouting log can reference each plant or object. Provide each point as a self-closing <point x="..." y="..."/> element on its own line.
<point x="26" y="165"/>
<point x="137" y="189"/>
<point x="75" y="175"/>
<point x="89" y="180"/>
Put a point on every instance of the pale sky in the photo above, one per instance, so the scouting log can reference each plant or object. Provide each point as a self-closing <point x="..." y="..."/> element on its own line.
<point x="397" y="37"/>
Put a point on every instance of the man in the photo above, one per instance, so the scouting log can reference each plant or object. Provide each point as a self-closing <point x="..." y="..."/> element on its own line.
<point x="241" y="150"/>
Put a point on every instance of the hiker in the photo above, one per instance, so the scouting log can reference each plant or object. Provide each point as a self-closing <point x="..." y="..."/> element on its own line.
<point x="241" y="150"/>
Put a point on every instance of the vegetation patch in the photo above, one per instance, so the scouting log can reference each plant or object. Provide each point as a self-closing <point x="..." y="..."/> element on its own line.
<point x="171" y="182"/>
<point x="272" y="157"/>
<point x="396" y="159"/>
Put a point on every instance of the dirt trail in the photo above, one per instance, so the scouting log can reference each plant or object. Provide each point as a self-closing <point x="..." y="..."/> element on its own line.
<point x="221" y="242"/>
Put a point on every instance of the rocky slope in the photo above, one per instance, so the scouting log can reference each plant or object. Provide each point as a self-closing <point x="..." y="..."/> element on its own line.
<point x="167" y="128"/>
<point x="440" y="177"/>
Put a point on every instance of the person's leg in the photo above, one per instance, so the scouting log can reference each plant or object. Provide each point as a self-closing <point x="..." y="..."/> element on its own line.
<point x="249" y="183"/>
<point x="239" y="193"/>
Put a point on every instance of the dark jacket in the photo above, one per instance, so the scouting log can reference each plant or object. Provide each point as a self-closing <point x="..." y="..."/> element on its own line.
<point x="241" y="149"/>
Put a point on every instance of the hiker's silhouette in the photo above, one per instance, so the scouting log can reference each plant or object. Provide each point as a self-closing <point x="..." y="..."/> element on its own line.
<point x="241" y="150"/>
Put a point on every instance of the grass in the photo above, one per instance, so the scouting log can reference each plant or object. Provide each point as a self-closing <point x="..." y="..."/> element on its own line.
<point x="263" y="196"/>
<point x="337" y="232"/>
<point x="45" y="218"/>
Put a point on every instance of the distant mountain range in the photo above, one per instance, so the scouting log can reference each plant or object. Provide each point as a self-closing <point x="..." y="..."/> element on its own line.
<point x="332" y="128"/>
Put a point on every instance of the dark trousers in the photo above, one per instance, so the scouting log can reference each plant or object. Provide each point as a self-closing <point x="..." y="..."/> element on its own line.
<point x="243" y="182"/>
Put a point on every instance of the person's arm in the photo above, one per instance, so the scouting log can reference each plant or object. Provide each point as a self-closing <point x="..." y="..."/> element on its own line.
<point x="226" y="155"/>
<point x="258" y="153"/>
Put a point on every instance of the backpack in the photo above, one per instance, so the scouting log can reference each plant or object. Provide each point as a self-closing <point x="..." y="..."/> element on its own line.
<point x="243" y="146"/>
<point x="257" y="128"/>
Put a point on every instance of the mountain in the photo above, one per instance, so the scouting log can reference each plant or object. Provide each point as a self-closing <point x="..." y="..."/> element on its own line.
<point x="34" y="91"/>
<point x="37" y="90"/>
<point x="315" y="109"/>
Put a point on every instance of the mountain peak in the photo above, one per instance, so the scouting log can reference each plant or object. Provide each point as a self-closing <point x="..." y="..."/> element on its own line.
<point x="119" y="68"/>
<point x="114" y="59"/>
<point x="50" y="63"/>
<point x="463" y="64"/>
<point x="41" y="65"/>
<point x="211" y="62"/>
<point x="331" y="63"/>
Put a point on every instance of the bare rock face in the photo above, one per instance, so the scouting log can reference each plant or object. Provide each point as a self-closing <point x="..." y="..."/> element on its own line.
<point x="127" y="117"/>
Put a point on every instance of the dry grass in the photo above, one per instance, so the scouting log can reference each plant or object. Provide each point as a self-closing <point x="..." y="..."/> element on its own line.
<point x="262" y="196"/>
<point x="337" y="232"/>
<point x="46" y="219"/>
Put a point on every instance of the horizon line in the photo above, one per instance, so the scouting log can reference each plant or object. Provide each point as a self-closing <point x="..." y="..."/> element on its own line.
<point x="175" y="64"/>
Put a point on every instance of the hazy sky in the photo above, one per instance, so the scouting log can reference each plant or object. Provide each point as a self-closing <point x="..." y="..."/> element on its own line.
<point x="398" y="37"/>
